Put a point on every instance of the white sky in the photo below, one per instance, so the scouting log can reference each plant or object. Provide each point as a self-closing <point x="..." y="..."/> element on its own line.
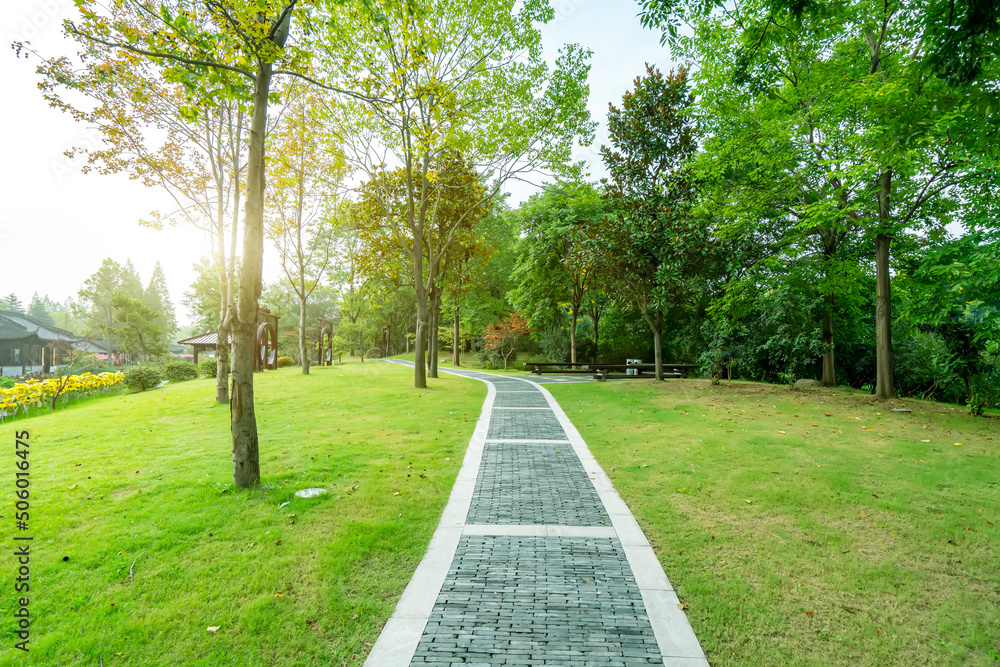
<point x="57" y="225"/>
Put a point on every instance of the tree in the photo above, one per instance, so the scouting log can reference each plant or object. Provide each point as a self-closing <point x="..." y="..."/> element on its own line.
<point x="503" y="337"/>
<point x="157" y="298"/>
<point x="954" y="292"/>
<point x="444" y="79"/>
<point x="12" y="303"/>
<point x="138" y="333"/>
<point x="874" y="139"/>
<point x="548" y="273"/>
<point x="95" y="305"/>
<point x="305" y="172"/>
<point x="227" y="50"/>
<point x="651" y="243"/>
<point x="41" y="309"/>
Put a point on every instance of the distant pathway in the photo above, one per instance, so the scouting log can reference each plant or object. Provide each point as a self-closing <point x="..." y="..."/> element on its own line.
<point x="536" y="561"/>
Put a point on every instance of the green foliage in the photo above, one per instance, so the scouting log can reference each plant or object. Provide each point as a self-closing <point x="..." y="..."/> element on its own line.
<point x="284" y="362"/>
<point x="374" y="353"/>
<point x="138" y="333"/>
<point x="208" y="367"/>
<point x="177" y="371"/>
<point x="142" y="378"/>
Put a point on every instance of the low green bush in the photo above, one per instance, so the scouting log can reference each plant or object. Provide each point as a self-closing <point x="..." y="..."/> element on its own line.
<point x="177" y="371"/>
<point x="374" y="353"/>
<point x="282" y="362"/>
<point x="208" y="368"/>
<point x="143" y="378"/>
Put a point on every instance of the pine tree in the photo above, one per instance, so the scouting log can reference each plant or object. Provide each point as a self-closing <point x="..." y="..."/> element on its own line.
<point x="39" y="309"/>
<point x="12" y="303"/>
<point x="94" y="306"/>
<point x="157" y="298"/>
<point x="130" y="284"/>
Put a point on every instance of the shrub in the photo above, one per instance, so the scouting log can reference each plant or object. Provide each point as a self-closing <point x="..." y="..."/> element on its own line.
<point x="142" y="378"/>
<point x="176" y="371"/>
<point x="208" y="368"/>
<point x="7" y="383"/>
<point x="282" y="362"/>
<point x="374" y="353"/>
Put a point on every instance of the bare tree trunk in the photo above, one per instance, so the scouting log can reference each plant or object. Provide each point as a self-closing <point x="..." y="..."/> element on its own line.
<point x="884" y="385"/>
<point x="596" y="318"/>
<point x="303" y="339"/>
<point x="420" y="344"/>
<point x="456" y="335"/>
<point x="433" y="338"/>
<point x="829" y="371"/>
<point x="246" y="454"/>
<point x="572" y="337"/>
<point x="658" y="344"/>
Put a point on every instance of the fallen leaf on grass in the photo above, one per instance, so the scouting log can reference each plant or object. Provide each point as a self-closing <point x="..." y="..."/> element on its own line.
<point x="958" y="444"/>
<point x="214" y="628"/>
<point x="863" y="514"/>
<point x="810" y="613"/>
<point x="74" y="486"/>
<point x="682" y="606"/>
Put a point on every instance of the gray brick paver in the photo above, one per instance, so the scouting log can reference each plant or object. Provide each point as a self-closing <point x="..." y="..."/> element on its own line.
<point x="529" y="601"/>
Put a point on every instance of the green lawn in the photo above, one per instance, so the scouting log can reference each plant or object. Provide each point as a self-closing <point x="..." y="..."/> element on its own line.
<point x="811" y="527"/>
<point x="141" y="543"/>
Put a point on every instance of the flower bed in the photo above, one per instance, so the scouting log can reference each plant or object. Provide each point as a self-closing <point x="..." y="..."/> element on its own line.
<point x="38" y="394"/>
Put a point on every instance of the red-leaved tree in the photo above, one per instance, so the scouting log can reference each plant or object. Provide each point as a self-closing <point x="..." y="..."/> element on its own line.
<point x="503" y="337"/>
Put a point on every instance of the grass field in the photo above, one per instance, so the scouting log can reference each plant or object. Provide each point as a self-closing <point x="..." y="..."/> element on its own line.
<point x="141" y="544"/>
<point x="810" y="527"/>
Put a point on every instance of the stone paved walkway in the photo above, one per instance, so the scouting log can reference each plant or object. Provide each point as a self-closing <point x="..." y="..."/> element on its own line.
<point x="536" y="561"/>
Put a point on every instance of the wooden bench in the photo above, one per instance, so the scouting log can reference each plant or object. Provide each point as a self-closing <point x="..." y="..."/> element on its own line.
<point x="539" y="367"/>
<point x="602" y="372"/>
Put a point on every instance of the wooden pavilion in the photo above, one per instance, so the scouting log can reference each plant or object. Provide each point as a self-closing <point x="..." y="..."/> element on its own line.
<point x="29" y="345"/>
<point x="267" y="341"/>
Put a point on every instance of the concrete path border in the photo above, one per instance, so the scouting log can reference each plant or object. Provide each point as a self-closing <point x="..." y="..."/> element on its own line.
<point x="402" y="632"/>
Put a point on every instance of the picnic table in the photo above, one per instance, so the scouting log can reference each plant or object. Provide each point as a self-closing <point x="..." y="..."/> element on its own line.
<point x="602" y="371"/>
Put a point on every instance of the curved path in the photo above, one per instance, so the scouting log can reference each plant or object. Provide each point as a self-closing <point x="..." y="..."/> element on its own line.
<point x="536" y="560"/>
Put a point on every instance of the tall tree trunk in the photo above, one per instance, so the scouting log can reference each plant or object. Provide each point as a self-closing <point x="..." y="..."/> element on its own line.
<point x="432" y="334"/>
<point x="222" y="335"/>
<point x="829" y="378"/>
<point x="246" y="454"/>
<point x="303" y="340"/>
<point x="420" y="345"/>
<point x="884" y="385"/>
<point x="596" y="319"/>
<point x="829" y="372"/>
<point x="658" y="344"/>
<point x="572" y="337"/>
<point x="456" y="336"/>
